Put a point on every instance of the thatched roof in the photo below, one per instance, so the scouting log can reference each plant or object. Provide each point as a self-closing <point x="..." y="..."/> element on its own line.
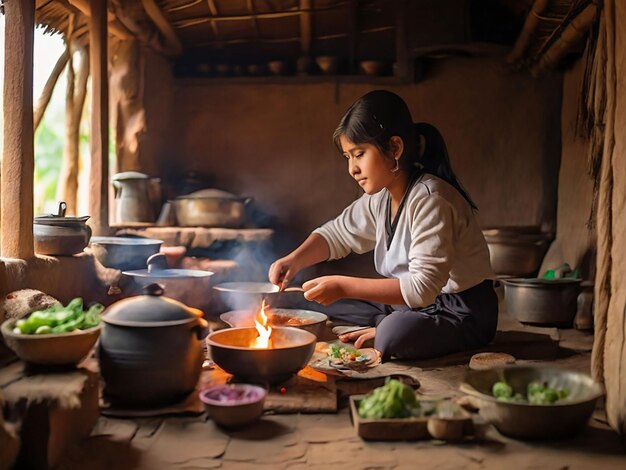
<point x="237" y="33"/>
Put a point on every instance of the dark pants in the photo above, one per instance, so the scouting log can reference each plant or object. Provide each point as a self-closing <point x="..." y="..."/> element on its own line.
<point x="455" y="322"/>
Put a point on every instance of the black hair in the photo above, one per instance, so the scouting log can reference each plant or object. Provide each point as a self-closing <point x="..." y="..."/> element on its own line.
<point x="379" y="115"/>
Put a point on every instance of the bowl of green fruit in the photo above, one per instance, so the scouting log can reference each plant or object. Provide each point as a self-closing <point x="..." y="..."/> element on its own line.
<point x="534" y="402"/>
<point x="56" y="336"/>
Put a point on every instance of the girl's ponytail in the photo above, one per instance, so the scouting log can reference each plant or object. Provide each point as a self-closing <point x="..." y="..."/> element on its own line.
<point x="433" y="157"/>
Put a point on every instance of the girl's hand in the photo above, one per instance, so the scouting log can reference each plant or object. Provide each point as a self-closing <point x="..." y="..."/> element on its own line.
<point x="325" y="290"/>
<point x="359" y="337"/>
<point x="282" y="271"/>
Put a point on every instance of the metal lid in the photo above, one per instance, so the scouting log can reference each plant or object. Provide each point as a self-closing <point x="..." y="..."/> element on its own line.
<point x="152" y="309"/>
<point x="157" y="269"/>
<point x="540" y="282"/>
<point x="213" y="194"/>
<point x="129" y="175"/>
<point x="59" y="218"/>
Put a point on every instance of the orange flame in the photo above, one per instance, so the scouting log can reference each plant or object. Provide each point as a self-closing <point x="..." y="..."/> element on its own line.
<point x="263" y="341"/>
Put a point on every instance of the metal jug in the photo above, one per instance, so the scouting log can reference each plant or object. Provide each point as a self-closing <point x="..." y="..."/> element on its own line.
<point x="132" y="198"/>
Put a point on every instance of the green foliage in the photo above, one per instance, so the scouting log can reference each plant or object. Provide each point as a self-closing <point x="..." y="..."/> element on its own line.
<point x="48" y="158"/>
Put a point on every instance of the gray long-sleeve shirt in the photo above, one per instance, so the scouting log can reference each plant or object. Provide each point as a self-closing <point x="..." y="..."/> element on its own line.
<point x="437" y="245"/>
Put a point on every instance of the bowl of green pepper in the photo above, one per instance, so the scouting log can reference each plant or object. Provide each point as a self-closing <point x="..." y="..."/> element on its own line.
<point x="56" y="336"/>
<point x="532" y="402"/>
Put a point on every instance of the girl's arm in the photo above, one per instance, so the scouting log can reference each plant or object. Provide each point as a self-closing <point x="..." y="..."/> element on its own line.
<point x="328" y="289"/>
<point x="313" y="250"/>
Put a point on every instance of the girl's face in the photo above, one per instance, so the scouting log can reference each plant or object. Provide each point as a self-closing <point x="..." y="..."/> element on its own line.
<point x="370" y="167"/>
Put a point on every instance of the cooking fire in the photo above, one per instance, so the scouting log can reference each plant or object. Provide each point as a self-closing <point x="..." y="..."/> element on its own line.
<point x="264" y="340"/>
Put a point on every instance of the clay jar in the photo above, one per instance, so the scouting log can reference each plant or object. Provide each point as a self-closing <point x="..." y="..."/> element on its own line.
<point x="58" y="235"/>
<point x="150" y="351"/>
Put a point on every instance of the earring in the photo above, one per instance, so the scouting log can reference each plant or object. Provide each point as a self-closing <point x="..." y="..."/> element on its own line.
<point x="397" y="168"/>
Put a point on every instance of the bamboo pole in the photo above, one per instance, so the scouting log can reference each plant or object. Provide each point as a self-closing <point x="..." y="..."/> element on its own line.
<point x="173" y="46"/>
<point x="305" y="27"/>
<point x="67" y="190"/>
<point x="116" y="28"/>
<point x="570" y="36"/>
<point x="18" y="149"/>
<point x="99" y="135"/>
<point x="46" y="94"/>
<point x="530" y="25"/>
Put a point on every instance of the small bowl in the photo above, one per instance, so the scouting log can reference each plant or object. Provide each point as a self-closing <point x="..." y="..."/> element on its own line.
<point x="328" y="64"/>
<point x="278" y="67"/>
<point x="245" y="408"/>
<point x="62" y="349"/>
<point x="373" y="68"/>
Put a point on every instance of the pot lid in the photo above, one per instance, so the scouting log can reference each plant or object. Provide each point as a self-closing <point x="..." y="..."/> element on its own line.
<point x="157" y="269"/>
<point x="152" y="309"/>
<point x="168" y="273"/>
<point x="59" y="218"/>
<point x="129" y="175"/>
<point x="209" y="194"/>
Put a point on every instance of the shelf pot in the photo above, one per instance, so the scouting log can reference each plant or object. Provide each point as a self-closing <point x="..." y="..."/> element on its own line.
<point x="211" y="208"/>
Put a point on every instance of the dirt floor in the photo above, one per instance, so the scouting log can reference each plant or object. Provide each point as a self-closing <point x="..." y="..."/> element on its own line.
<point x="299" y="441"/>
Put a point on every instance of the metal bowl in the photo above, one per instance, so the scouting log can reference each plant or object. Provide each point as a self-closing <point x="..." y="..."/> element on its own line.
<point x="291" y="352"/>
<point x="307" y="320"/>
<point x="516" y="251"/>
<point x="527" y="421"/>
<point x="124" y="253"/>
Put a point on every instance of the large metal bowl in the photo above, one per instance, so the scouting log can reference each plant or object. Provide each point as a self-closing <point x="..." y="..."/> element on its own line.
<point x="517" y="251"/>
<point x="291" y="352"/>
<point x="307" y="320"/>
<point x="527" y="421"/>
<point x="124" y="253"/>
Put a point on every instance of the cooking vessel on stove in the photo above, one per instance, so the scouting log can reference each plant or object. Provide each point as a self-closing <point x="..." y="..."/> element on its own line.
<point x="307" y="320"/>
<point x="150" y="350"/>
<point x="292" y="349"/>
<point x="248" y="295"/>
<point x="211" y="208"/>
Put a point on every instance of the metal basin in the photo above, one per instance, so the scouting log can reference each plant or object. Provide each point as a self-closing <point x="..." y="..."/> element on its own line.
<point x="124" y="253"/>
<point x="550" y="302"/>
<point x="526" y="421"/>
<point x="292" y="351"/>
<point x="307" y="320"/>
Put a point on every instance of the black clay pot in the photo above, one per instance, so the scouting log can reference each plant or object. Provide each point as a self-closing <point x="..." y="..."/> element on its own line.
<point x="150" y="350"/>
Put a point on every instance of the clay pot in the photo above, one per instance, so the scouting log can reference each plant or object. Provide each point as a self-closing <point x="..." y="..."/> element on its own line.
<point x="150" y="351"/>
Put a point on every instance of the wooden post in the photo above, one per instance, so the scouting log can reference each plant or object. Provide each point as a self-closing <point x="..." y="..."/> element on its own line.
<point x="99" y="135"/>
<point x="18" y="161"/>
<point x="404" y="64"/>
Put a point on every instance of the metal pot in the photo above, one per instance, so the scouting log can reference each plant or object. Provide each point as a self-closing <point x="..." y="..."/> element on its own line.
<point x="517" y="251"/>
<point x="150" y="350"/>
<point x="134" y="197"/>
<point x="190" y="286"/>
<point x="58" y="235"/>
<point x="211" y="208"/>
<point x="542" y="301"/>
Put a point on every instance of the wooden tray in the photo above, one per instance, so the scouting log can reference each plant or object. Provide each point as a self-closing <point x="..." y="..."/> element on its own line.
<point x="400" y="429"/>
<point x="454" y="428"/>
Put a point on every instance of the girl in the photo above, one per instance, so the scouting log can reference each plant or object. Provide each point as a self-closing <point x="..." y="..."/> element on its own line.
<point x="437" y="296"/>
